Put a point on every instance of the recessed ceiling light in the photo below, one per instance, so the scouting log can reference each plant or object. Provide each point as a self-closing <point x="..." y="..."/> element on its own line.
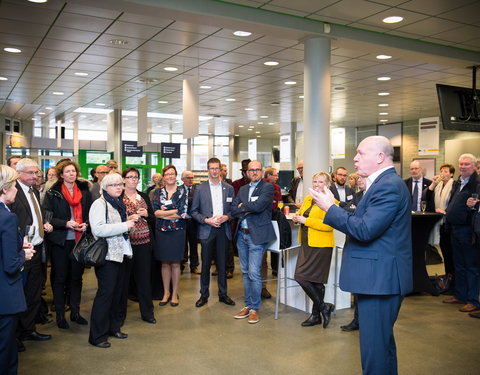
<point x="383" y="113"/>
<point x="271" y="123"/>
<point x="41" y="113"/>
<point x="248" y="109"/>
<point x="241" y="126"/>
<point x="383" y="105"/>
<point x="290" y="83"/>
<point x="257" y="132"/>
<point x="263" y="116"/>
<point x="230" y="100"/>
<point x="236" y="135"/>
<point x="300" y="97"/>
<point x="48" y="107"/>
<point x="393" y="19"/>
<point x="383" y="57"/>
<point x="170" y="69"/>
<point x="58" y="93"/>
<point x="100" y="104"/>
<point x="81" y="74"/>
<point x="3" y="79"/>
<point x="259" y="136"/>
<point x="271" y="63"/>
<point x="118" y="42"/>
<point x="242" y="33"/>
<point x="383" y="120"/>
<point x="383" y="93"/>
<point x="162" y="102"/>
<point x="205" y="87"/>
<point x="384" y="78"/>
<point x="12" y="50"/>
<point x="249" y="129"/>
<point x="33" y="118"/>
<point x="260" y="123"/>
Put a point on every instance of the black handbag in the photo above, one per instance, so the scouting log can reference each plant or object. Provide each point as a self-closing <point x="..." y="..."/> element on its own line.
<point x="90" y="251"/>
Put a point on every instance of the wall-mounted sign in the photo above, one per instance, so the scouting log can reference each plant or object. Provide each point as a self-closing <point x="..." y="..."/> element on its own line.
<point x="428" y="136"/>
<point x="170" y="150"/>
<point x="252" y="149"/>
<point x="130" y="148"/>
<point x="337" y="142"/>
<point x="285" y="148"/>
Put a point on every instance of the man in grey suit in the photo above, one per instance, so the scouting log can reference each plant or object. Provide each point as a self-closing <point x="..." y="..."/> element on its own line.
<point x="377" y="259"/>
<point x="211" y="209"/>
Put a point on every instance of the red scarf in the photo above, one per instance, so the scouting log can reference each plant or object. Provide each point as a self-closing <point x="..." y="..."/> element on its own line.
<point x="75" y="203"/>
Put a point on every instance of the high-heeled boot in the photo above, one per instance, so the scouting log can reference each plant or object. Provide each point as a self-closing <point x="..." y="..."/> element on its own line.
<point x="314" y="318"/>
<point x="326" y="312"/>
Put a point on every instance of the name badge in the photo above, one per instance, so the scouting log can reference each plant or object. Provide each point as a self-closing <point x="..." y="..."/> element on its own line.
<point x="169" y="202"/>
<point x="253" y="199"/>
<point x="349" y="197"/>
<point x="229" y="199"/>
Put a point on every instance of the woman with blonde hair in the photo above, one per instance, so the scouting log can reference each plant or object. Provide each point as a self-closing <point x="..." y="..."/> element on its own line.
<point x="315" y="254"/>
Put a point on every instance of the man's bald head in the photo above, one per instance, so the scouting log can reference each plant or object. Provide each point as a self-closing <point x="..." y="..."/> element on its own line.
<point x="373" y="154"/>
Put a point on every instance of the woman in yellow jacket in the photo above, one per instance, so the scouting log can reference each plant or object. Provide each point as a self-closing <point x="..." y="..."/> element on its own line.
<point x="313" y="263"/>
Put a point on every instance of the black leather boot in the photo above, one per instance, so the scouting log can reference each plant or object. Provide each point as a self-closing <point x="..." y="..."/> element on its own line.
<point x="316" y="295"/>
<point x="314" y="318"/>
<point x="326" y="312"/>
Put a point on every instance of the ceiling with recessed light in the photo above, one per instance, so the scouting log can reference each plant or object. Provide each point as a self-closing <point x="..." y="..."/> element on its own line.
<point x="108" y="54"/>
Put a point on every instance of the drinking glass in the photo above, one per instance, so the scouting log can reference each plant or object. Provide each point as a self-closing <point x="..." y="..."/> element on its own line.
<point x="423" y="205"/>
<point x="47" y="217"/>
<point x="29" y="233"/>
<point x="475" y="196"/>
<point x="280" y="205"/>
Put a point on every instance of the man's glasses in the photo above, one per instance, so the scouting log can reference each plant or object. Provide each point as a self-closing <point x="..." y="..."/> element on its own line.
<point x="132" y="177"/>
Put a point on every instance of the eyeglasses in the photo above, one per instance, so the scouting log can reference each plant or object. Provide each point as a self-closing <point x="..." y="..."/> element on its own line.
<point x="300" y="169"/>
<point x="31" y="173"/>
<point x="342" y="175"/>
<point x="169" y="174"/>
<point x="115" y="185"/>
<point x="132" y="177"/>
<point x="102" y="172"/>
<point x="254" y="170"/>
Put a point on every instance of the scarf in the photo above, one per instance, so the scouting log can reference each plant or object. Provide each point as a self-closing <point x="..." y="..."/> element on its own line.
<point x="442" y="195"/>
<point x="75" y="203"/>
<point x="119" y="206"/>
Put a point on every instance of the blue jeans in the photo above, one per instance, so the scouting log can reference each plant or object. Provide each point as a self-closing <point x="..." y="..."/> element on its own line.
<point x="251" y="257"/>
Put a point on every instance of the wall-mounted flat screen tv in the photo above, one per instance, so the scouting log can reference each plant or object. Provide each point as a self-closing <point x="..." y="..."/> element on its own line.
<point x="459" y="108"/>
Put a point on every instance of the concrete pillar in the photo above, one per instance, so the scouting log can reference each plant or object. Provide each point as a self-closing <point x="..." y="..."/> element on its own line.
<point x="316" y="109"/>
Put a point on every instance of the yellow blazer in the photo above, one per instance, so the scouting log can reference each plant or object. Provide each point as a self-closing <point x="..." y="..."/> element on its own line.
<point x="319" y="234"/>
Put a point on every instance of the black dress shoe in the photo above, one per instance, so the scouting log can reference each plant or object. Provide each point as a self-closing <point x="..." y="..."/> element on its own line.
<point x="312" y="320"/>
<point x="149" y="320"/>
<point x="119" y="335"/>
<point x="201" y="301"/>
<point x="35" y="336"/>
<point x="20" y="346"/>
<point x="326" y="313"/>
<point x="352" y="326"/>
<point x="76" y="317"/>
<point x="226" y="300"/>
<point x="63" y="324"/>
<point x="174" y="304"/>
<point x="103" y="344"/>
<point x="163" y="303"/>
<point x="265" y="293"/>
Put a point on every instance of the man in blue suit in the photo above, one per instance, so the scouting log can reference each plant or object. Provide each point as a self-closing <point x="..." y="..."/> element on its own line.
<point x="211" y="209"/>
<point x="377" y="259"/>
<point x="253" y="207"/>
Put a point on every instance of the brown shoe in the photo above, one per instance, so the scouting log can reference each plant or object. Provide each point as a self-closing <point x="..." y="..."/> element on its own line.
<point x="468" y="308"/>
<point x="452" y="300"/>
<point x="475" y="315"/>
<point x="253" y="317"/>
<point x="244" y="313"/>
<point x="266" y="293"/>
<point x="196" y="271"/>
<point x="229" y="275"/>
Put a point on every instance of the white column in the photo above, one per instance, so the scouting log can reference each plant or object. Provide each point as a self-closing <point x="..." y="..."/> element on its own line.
<point x="114" y="135"/>
<point x="316" y="109"/>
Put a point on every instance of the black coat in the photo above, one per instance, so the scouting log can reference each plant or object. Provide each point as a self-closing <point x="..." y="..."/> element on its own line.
<point x="58" y="205"/>
<point x="457" y="211"/>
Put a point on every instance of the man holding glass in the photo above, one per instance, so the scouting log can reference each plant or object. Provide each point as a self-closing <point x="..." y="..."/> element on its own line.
<point x="416" y="184"/>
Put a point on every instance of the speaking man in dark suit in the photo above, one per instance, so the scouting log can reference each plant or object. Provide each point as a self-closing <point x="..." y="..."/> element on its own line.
<point x="377" y="259"/>
<point x="416" y="184"/>
<point x="27" y="209"/>
<point x="253" y="208"/>
<point x="211" y="209"/>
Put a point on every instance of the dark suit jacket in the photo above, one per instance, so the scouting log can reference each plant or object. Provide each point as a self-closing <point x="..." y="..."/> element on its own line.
<point x="457" y="211"/>
<point x="377" y="258"/>
<point x="12" y="259"/>
<point x="421" y="189"/>
<point x="202" y="208"/>
<point x="292" y="192"/>
<point x="22" y="209"/>
<point x="349" y="192"/>
<point x="257" y="210"/>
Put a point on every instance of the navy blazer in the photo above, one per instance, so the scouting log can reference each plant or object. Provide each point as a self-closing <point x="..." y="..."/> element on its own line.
<point x="257" y="210"/>
<point x="12" y="259"/>
<point x="202" y="208"/>
<point x="377" y="258"/>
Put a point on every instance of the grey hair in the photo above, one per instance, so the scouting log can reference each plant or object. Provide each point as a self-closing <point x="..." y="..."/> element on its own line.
<point x="26" y="163"/>
<point x="111" y="178"/>
<point x="463" y="156"/>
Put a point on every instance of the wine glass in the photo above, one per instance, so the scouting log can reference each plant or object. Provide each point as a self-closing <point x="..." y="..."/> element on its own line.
<point x="423" y="206"/>
<point x="29" y="233"/>
<point x="475" y="196"/>
<point x="47" y="217"/>
<point x="280" y="205"/>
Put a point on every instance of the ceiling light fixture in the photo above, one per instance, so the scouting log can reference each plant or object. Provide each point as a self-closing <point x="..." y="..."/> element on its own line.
<point x="41" y="113"/>
<point x="241" y="126"/>
<point x="248" y="109"/>
<point x="205" y="87"/>
<point x="383" y="93"/>
<point x="48" y="107"/>
<point x="383" y="120"/>
<point x="58" y="93"/>
<point x="100" y="104"/>
<point x="271" y="63"/>
<point x="383" y="113"/>
<point x="384" y="78"/>
<point x="290" y="83"/>
<point x="81" y="74"/>
<point x="301" y="97"/>
<point x="170" y="69"/>
<point x="393" y="19"/>
<point x="104" y="111"/>
<point x="383" y="57"/>
<point x="242" y="33"/>
<point x="3" y="79"/>
<point x="257" y="132"/>
<point x="263" y="116"/>
<point x="162" y="102"/>
<point x="271" y="123"/>
<point x="12" y="50"/>
<point x="250" y="129"/>
<point x="38" y="1"/>
<point x="230" y="100"/>
<point x="260" y="123"/>
<point x="118" y="42"/>
<point x="383" y="105"/>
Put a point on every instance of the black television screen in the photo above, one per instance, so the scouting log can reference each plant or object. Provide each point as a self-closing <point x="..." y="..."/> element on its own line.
<point x="459" y="108"/>
<point x="284" y="179"/>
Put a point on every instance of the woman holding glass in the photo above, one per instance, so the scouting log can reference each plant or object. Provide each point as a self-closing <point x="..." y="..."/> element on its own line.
<point x="108" y="219"/>
<point x="141" y="239"/>
<point x="315" y="254"/>
<point x="12" y="259"/>
<point x="68" y="200"/>
<point x="170" y="205"/>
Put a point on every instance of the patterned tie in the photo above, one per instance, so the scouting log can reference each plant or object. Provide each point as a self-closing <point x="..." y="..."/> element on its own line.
<point x="415" y="197"/>
<point x="37" y="212"/>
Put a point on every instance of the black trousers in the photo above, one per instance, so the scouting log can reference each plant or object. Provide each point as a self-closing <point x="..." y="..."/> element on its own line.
<point x="8" y="345"/>
<point x="230" y="258"/>
<point x="140" y="264"/>
<point x="106" y="309"/>
<point x="191" y="245"/>
<point x="33" y="293"/>
<point x="447" y="251"/>
<point x="66" y="268"/>
<point x="216" y="244"/>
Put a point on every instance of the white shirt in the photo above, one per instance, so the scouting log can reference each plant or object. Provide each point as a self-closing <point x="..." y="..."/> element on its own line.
<point x="299" y="192"/>
<point x="37" y="239"/>
<point x="374" y="176"/>
<point x="217" y="198"/>
<point x="341" y="192"/>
